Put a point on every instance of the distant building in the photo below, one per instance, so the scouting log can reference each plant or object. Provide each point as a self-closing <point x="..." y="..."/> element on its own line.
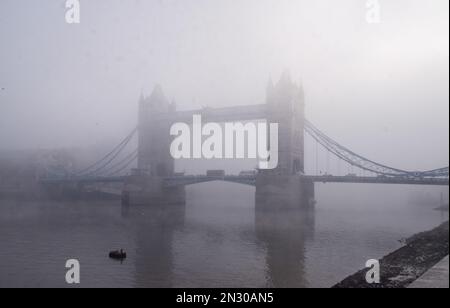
<point x="21" y="170"/>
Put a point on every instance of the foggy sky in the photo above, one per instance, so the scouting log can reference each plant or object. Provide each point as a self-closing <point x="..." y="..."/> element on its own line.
<point x="380" y="89"/>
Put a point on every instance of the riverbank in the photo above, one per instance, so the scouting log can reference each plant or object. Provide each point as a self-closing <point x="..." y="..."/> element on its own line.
<point x="405" y="265"/>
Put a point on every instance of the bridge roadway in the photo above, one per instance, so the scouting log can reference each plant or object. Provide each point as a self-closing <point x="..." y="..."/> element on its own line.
<point x="251" y="180"/>
<point x="174" y="181"/>
<point x="377" y="180"/>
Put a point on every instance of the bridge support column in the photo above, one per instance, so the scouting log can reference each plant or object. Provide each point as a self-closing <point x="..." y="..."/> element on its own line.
<point x="283" y="192"/>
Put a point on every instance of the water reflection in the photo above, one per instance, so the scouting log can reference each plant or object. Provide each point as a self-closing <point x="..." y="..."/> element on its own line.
<point x="282" y="234"/>
<point x="155" y="227"/>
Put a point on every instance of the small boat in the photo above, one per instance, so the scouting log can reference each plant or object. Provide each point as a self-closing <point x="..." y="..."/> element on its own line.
<point x="118" y="255"/>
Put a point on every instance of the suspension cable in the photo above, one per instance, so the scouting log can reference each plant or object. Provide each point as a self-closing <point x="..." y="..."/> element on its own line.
<point x="109" y="157"/>
<point x="120" y="163"/>
<point x="361" y="162"/>
<point x="128" y="163"/>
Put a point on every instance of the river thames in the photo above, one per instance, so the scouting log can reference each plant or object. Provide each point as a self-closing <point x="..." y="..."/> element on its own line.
<point x="216" y="240"/>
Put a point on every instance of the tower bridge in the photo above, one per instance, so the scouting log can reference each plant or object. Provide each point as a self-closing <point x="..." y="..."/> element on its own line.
<point x="155" y="179"/>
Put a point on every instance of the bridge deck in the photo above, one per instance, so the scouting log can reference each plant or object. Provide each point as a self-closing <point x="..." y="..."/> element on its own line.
<point x="227" y="114"/>
<point x="86" y="180"/>
<point x="377" y="180"/>
<point x="196" y="179"/>
<point x="251" y="180"/>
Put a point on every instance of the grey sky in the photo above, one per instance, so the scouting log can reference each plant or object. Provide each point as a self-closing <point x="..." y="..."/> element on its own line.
<point x="380" y="89"/>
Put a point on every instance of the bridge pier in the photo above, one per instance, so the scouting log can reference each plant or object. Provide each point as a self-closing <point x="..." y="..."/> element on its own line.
<point x="275" y="192"/>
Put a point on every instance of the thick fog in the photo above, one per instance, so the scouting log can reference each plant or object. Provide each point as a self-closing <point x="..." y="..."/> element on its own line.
<point x="380" y="89"/>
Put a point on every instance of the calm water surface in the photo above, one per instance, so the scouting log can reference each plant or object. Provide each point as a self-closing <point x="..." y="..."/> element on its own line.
<point x="216" y="240"/>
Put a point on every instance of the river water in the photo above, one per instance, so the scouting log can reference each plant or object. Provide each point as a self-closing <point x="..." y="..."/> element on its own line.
<point x="216" y="240"/>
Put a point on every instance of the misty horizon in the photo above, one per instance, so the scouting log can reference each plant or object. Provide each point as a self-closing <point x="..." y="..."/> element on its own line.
<point x="79" y="85"/>
<point x="68" y="86"/>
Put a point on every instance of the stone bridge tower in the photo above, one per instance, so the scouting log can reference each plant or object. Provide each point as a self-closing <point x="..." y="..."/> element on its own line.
<point x="286" y="106"/>
<point x="283" y="186"/>
<point x="154" y="139"/>
<point x="154" y="159"/>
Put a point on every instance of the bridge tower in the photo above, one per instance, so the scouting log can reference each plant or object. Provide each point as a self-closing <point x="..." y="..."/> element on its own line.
<point x="286" y="106"/>
<point x="283" y="186"/>
<point x="154" y="159"/>
<point x="154" y="141"/>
